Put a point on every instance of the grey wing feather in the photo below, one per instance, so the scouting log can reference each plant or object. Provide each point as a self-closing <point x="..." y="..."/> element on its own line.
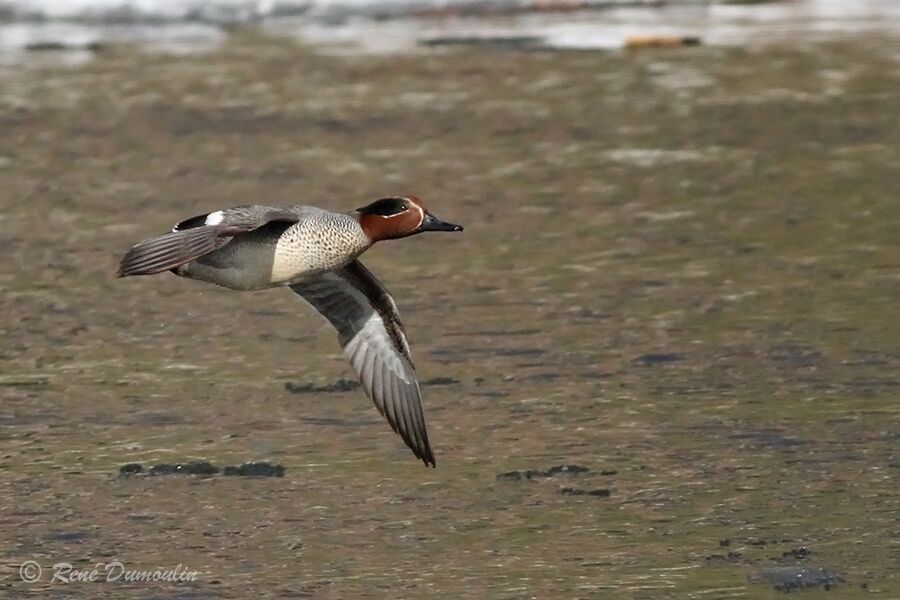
<point x="241" y="218"/>
<point x="192" y="238"/>
<point x="168" y="251"/>
<point x="370" y="332"/>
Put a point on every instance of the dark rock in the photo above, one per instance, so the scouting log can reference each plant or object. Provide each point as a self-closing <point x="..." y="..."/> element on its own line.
<point x="440" y="381"/>
<point x="600" y="493"/>
<point x="131" y="469"/>
<point x="551" y="472"/>
<point x="565" y="469"/>
<point x="519" y="352"/>
<point x="798" y="553"/>
<point x="341" y="385"/>
<point x="514" y="475"/>
<point x="795" y="355"/>
<point x="69" y="536"/>
<point x="658" y="359"/>
<point x="200" y="467"/>
<point x="732" y="556"/>
<point x="517" y="41"/>
<point x="204" y="468"/>
<point x="49" y="46"/>
<point x="770" y="438"/>
<point x="335" y="422"/>
<point x="255" y="469"/>
<point x="791" y="579"/>
<point x="491" y="394"/>
<point x="154" y="418"/>
<point x="543" y="377"/>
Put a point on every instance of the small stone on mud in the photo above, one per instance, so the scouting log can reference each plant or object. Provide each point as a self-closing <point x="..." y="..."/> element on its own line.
<point x="657" y="359"/>
<point x="798" y="553"/>
<point x="69" y="536"/>
<point x="200" y="467"/>
<point x="131" y="469"/>
<point x="565" y="469"/>
<point x="255" y="469"/>
<point x="730" y="557"/>
<point x="795" y="355"/>
<point x="62" y="46"/>
<point x="791" y="579"/>
<point x="341" y="385"/>
<point x="440" y="381"/>
<point x="514" y="41"/>
<point x="600" y="493"/>
<point x="535" y="474"/>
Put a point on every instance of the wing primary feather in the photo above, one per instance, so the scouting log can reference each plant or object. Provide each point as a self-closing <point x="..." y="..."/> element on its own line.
<point x="417" y="427"/>
<point x="400" y="401"/>
<point x="168" y="251"/>
<point x="374" y="342"/>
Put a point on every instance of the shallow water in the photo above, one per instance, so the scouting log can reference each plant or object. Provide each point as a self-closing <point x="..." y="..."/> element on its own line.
<point x="679" y="270"/>
<point x="71" y="32"/>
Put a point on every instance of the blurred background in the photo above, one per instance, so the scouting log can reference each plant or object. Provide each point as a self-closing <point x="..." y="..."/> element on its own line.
<point x="399" y="25"/>
<point x="661" y="361"/>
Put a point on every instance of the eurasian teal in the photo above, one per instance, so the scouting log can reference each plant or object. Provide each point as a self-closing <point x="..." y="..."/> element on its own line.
<point x="314" y="252"/>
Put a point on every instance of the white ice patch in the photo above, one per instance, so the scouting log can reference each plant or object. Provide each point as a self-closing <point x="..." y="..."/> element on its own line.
<point x="214" y="218"/>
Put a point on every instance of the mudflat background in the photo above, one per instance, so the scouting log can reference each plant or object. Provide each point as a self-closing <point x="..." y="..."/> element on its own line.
<point x="680" y="270"/>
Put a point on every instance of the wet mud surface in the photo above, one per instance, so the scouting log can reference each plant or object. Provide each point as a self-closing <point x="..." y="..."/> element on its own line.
<point x="680" y="271"/>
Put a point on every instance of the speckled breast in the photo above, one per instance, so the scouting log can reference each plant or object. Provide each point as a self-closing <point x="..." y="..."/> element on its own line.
<point x="316" y="245"/>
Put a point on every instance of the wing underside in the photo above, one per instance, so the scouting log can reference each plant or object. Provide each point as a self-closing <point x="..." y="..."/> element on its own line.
<point x="373" y="340"/>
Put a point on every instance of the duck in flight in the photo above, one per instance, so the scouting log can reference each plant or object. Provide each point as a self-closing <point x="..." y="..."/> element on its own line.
<point x="314" y="252"/>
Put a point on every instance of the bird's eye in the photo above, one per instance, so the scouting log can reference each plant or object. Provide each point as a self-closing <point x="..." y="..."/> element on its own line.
<point x="387" y="207"/>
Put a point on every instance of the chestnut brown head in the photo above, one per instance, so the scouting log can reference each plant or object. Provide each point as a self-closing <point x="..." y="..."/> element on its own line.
<point x="397" y="217"/>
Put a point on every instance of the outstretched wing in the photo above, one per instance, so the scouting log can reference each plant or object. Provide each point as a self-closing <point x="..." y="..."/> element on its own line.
<point x="373" y="340"/>
<point x="194" y="237"/>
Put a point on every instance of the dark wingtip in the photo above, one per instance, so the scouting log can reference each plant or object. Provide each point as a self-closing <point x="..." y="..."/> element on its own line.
<point x="125" y="269"/>
<point x="427" y="456"/>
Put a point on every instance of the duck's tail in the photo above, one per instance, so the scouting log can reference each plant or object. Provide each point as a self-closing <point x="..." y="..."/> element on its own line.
<point x="168" y="251"/>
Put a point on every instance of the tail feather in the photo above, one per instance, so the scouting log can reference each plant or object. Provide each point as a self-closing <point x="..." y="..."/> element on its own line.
<point x="168" y="251"/>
